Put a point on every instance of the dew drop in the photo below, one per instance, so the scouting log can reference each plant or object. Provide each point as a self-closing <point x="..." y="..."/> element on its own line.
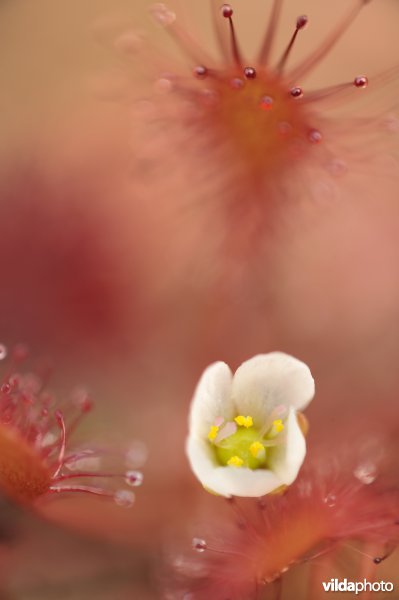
<point x="5" y="388"/>
<point x="361" y="82"/>
<point x="163" y="14"/>
<point x="377" y="560"/>
<point x="227" y="11"/>
<point x="315" y="136"/>
<point x="3" y="352"/>
<point x="199" y="545"/>
<point x="330" y="500"/>
<point x="366" y="473"/>
<point x="124" y="498"/>
<point x="302" y="21"/>
<point x="134" y="478"/>
<point x="136" y="455"/>
<point x="200" y="72"/>
<point x="296" y="92"/>
<point x="266" y="103"/>
<point x="250" y="73"/>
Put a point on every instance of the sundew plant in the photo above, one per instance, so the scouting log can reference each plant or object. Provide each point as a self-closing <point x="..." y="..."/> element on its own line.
<point x="199" y="228"/>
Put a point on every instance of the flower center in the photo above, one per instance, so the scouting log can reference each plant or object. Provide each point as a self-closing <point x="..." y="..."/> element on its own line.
<point x="23" y="474"/>
<point x="256" y="111"/>
<point x="34" y="435"/>
<point x="239" y="443"/>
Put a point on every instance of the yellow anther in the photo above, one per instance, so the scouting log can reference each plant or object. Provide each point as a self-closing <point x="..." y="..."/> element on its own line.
<point x="213" y="432"/>
<point x="235" y="461"/>
<point x="278" y="425"/>
<point x="257" y="449"/>
<point x="244" y="421"/>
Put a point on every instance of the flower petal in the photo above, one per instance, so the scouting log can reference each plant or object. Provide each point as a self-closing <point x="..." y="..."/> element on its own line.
<point x="269" y="380"/>
<point x="228" y="481"/>
<point x="286" y="459"/>
<point x="211" y="399"/>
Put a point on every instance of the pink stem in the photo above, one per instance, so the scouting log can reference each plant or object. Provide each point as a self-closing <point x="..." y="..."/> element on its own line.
<point x="315" y="57"/>
<point x="271" y="32"/>
<point x="61" y="423"/>
<point x="80" y="488"/>
<point x="73" y="475"/>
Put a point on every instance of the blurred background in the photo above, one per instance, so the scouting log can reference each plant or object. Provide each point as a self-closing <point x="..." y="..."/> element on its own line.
<point x="106" y="276"/>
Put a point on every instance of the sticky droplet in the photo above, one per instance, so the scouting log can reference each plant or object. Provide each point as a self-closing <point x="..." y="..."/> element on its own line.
<point x="361" y="82"/>
<point x="302" y="21"/>
<point x="250" y="73"/>
<point x="266" y="103"/>
<point x="366" y="473"/>
<point x="3" y="352"/>
<point x="227" y="11"/>
<point x="124" y="498"/>
<point x="330" y="500"/>
<point x="200" y="72"/>
<point x="237" y="83"/>
<point x="315" y="136"/>
<point x="296" y="92"/>
<point x="136" y="455"/>
<point x="163" y="14"/>
<point x="199" y="545"/>
<point x="134" y="478"/>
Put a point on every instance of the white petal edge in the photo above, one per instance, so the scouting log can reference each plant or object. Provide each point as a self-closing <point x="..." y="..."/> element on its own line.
<point x="287" y="459"/>
<point x="228" y="481"/>
<point x="269" y="380"/>
<point x="212" y="399"/>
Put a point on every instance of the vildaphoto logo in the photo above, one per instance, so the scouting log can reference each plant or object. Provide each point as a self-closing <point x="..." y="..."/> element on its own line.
<point x="336" y="585"/>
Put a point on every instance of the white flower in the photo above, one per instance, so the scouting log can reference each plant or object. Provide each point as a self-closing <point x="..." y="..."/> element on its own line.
<point x="244" y="437"/>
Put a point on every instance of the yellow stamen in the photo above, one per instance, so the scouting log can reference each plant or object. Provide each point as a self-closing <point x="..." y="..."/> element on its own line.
<point x="257" y="449"/>
<point x="213" y="432"/>
<point x="235" y="461"/>
<point x="244" y="421"/>
<point x="278" y="425"/>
